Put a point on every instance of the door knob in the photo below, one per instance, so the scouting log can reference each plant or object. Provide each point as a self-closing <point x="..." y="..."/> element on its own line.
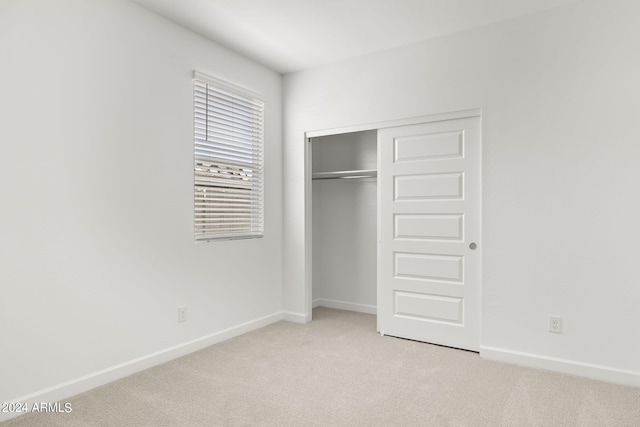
<point x="473" y="246"/>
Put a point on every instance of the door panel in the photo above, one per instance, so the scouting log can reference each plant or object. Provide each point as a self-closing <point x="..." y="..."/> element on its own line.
<point x="425" y="146"/>
<point x="429" y="212"/>
<point x="435" y="186"/>
<point x="429" y="307"/>
<point x="428" y="267"/>
<point x="428" y="227"/>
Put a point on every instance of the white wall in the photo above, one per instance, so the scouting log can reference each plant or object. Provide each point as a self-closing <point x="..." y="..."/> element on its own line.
<point x="559" y="96"/>
<point x="96" y="221"/>
<point x="344" y="223"/>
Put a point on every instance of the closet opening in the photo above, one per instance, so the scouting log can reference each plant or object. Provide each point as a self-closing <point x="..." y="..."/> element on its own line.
<point x="344" y="221"/>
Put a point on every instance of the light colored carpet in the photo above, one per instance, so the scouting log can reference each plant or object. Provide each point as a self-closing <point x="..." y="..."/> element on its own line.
<point x="337" y="371"/>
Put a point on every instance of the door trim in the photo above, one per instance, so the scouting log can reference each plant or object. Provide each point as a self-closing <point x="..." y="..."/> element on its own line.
<point x="452" y="115"/>
<point x="308" y="208"/>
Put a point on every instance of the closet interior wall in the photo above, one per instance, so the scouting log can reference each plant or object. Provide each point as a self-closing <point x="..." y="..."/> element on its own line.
<point x="344" y="223"/>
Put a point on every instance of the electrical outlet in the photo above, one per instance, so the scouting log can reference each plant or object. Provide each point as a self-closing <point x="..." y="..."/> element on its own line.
<point x="182" y="313"/>
<point x="555" y="324"/>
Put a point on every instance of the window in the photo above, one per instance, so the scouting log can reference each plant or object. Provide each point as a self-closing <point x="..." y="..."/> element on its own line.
<point x="228" y="161"/>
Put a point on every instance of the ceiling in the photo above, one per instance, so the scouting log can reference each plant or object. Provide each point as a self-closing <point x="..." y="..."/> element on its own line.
<point x="292" y="35"/>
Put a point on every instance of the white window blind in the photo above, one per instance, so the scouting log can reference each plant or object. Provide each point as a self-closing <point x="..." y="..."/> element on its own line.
<point x="228" y="161"/>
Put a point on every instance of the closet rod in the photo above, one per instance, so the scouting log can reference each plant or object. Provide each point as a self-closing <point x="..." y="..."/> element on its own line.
<point x="368" y="173"/>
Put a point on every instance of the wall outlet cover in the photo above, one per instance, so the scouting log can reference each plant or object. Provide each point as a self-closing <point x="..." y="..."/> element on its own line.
<point x="182" y="313"/>
<point x="555" y="324"/>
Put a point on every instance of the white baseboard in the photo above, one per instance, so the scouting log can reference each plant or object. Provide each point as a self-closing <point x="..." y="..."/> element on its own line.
<point x="301" y="318"/>
<point x="572" y="367"/>
<point x="344" y="305"/>
<point x="71" y="388"/>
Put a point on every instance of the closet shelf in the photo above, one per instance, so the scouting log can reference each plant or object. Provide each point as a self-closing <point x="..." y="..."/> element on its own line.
<point x="367" y="173"/>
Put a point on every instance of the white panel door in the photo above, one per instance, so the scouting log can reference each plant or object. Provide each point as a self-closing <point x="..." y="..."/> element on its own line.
<point x="428" y="231"/>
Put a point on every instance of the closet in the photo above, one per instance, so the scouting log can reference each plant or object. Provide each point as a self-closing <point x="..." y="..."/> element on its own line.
<point x="396" y="225"/>
<point x="344" y="221"/>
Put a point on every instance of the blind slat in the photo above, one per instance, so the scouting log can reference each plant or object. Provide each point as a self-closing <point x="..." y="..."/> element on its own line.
<point x="223" y="106"/>
<point x="204" y="110"/>
<point x="222" y="153"/>
<point x="210" y="162"/>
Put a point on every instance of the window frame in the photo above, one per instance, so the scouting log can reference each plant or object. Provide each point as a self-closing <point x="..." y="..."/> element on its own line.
<point x="228" y="154"/>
